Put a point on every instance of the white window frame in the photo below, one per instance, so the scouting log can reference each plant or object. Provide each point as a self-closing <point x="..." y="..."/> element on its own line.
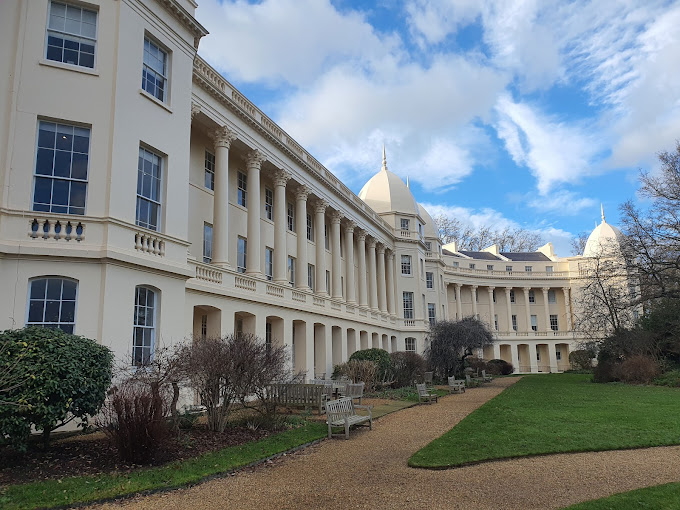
<point x="207" y="243"/>
<point x="291" y="270"/>
<point x="408" y="305"/>
<point x="310" y="228"/>
<point x="514" y="322"/>
<point x="40" y="160"/>
<point x="429" y="279"/>
<point x="552" y="296"/>
<point x="528" y="269"/>
<point x="71" y="36"/>
<point x="311" y="273"/>
<point x="143" y="150"/>
<point x="291" y="217"/>
<point x="269" y="263"/>
<point x="405" y="224"/>
<point x="508" y="269"/>
<point x="432" y="313"/>
<point x="534" y="322"/>
<point x="146" y="68"/>
<point x="410" y="344"/>
<point x="406" y="264"/>
<point x="269" y="204"/>
<point x="532" y="296"/>
<point x="554" y="323"/>
<point x="241" y="254"/>
<point x="512" y="296"/>
<point x="209" y="168"/>
<point x="242" y="189"/>
<point x="68" y="326"/>
<point x="138" y="327"/>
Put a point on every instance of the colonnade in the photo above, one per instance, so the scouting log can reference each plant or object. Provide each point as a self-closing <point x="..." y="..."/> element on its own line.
<point x="375" y="291"/>
<point x="509" y="304"/>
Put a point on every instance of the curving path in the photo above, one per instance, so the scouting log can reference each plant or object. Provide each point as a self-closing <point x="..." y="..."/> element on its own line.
<point x="370" y="471"/>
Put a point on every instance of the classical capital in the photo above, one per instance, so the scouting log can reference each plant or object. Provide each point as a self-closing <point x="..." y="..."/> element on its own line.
<point x="361" y="234"/>
<point x="473" y="287"/>
<point x="302" y="192"/>
<point x="545" y="289"/>
<point x="371" y="243"/>
<point x="350" y="227"/>
<point x="381" y="249"/>
<point x="490" y="289"/>
<point x="458" y="285"/>
<point x="255" y="158"/>
<point x="390" y="255"/>
<point x="222" y="137"/>
<point x="336" y="217"/>
<point x="281" y="177"/>
<point x="195" y="109"/>
<point x="508" y="290"/>
<point x="526" y="289"/>
<point x="320" y="206"/>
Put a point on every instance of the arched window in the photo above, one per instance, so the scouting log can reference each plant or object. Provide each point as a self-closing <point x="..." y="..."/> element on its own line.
<point x="52" y="303"/>
<point x="144" y="334"/>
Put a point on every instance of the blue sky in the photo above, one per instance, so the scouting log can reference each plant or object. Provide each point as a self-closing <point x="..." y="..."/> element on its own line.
<point x="516" y="113"/>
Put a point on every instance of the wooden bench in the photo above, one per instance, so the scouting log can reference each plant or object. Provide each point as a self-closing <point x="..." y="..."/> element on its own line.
<point x="298" y="395"/>
<point x="342" y="413"/>
<point x="424" y="395"/>
<point x="486" y="378"/>
<point x="456" y="385"/>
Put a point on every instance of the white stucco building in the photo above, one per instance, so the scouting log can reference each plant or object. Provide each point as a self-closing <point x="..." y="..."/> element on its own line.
<point x="144" y="199"/>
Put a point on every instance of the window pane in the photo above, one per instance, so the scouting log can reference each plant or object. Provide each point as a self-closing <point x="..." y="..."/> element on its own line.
<point x="69" y="289"/>
<point x="62" y="164"/>
<point x="35" y="311"/>
<point x="44" y="162"/>
<point x="38" y="289"/>
<point x="68" y="311"/>
<point x="60" y="192"/>
<point x="52" y="311"/>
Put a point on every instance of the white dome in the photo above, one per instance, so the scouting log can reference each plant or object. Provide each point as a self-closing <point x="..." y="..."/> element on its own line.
<point x="430" y="229"/>
<point x="386" y="192"/>
<point x="605" y="236"/>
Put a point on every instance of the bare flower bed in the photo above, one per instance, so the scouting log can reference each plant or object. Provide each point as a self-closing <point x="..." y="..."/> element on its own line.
<point x="93" y="454"/>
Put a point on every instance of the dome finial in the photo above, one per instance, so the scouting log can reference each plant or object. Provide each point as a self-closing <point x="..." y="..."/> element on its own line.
<point x="407" y="183"/>
<point x="384" y="165"/>
<point x="602" y="211"/>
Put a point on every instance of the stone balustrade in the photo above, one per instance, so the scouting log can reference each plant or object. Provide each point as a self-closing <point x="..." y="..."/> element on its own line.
<point x="56" y="229"/>
<point x="148" y="242"/>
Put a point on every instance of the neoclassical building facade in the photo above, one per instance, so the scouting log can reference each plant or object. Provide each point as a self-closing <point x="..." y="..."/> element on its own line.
<point x="144" y="200"/>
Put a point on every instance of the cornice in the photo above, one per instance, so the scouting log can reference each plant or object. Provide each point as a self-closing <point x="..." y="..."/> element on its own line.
<point x="180" y="13"/>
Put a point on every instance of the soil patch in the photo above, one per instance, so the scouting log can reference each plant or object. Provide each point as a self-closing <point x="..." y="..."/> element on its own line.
<point x="92" y="454"/>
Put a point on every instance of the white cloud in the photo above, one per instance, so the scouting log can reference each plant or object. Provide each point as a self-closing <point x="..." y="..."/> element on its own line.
<point x="290" y="40"/>
<point x="554" y="151"/>
<point x="564" y="202"/>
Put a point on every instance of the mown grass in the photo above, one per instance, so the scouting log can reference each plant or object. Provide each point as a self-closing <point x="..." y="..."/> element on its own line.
<point x="557" y="413"/>
<point x="659" y="497"/>
<point x="84" y="489"/>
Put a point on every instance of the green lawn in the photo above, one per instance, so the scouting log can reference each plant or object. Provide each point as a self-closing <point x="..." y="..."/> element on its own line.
<point x="555" y="413"/>
<point x="83" y="489"/>
<point x="659" y="497"/>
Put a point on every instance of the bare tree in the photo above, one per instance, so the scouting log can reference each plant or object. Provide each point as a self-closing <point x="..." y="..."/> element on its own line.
<point x="468" y="238"/>
<point x="452" y="341"/>
<point x="653" y="236"/>
<point x="578" y="243"/>
<point x="605" y="299"/>
<point x="229" y="370"/>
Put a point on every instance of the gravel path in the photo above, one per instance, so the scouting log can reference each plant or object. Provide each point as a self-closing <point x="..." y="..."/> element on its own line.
<point x="370" y="471"/>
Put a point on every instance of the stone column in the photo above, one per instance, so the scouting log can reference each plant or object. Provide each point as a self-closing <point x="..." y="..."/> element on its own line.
<point x="473" y="292"/>
<point x="496" y="350"/>
<point x="372" y="277"/>
<point x="222" y="138"/>
<point x="515" y="358"/>
<point x="382" y="298"/>
<point x="361" y="238"/>
<point x="254" y="161"/>
<point x="280" y="227"/>
<point x="492" y="309"/>
<point x="567" y="307"/>
<point x="336" y="284"/>
<point x="390" y="283"/>
<point x="527" y="307"/>
<point x="509" y="305"/>
<point x="533" y="362"/>
<point x="319" y="223"/>
<point x="301" y="217"/>
<point x="553" y="357"/>
<point x="349" y="261"/>
<point x="459" y="305"/>
<point x="546" y="307"/>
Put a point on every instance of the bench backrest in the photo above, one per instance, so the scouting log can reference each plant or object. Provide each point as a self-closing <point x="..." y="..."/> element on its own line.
<point x="467" y="378"/>
<point x="422" y="389"/>
<point x="453" y="381"/>
<point x="427" y="377"/>
<point x="338" y="410"/>
<point x="296" y="393"/>
<point x="355" y="390"/>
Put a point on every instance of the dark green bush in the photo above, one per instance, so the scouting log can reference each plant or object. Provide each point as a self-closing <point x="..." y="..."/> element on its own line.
<point x="670" y="378"/>
<point x="407" y="367"/>
<point x="499" y="367"/>
<point x="582" y="359"/>
<point x="378" y="356"/>
<point x="63" y="377"/>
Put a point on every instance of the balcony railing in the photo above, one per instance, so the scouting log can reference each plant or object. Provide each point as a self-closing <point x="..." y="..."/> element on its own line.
<point x="56" y="229"/>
